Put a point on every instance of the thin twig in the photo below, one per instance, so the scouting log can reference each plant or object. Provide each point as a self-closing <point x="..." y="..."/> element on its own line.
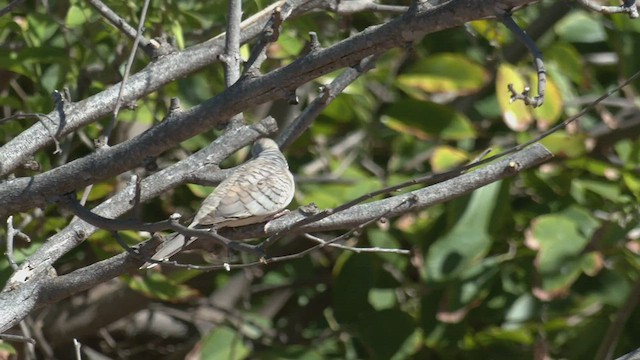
<point x="120" y="24"/>
<point x="17" y="338"/>
<point x="172" y="223"/>
<point x="10" y="237"/>
<point x="328" y="93"/>
<point x="10" y="6"/>
<point x="356" y="249"/>
<point x="77" y="346"/>
<point x="270" y="33"/>
<point x="522" y="36"/>
<point x="610" y="341"/>
<point x="30" y="349"/>
<point x="112" y="123"/>
<point x="38" y="116"/>
<point x="628" y="6"/>
<point x="355" y="6"/>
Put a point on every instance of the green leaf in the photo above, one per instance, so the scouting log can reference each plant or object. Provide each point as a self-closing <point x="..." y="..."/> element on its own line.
<point x="158" y="286"/>
<point x="382" y="299"/>
<point x="290" y="44"/>
<point x="6" y="348"/>
<point x="178" y="34"/>
<point x="468" y="242"/>
<point x="559" y="245"/>
<point x="223" y="344"/>
<point x="580" y="188"/>
<point x="444" y="73"/>
<point x="353" y="279"/>
<point x="76" y="16"/>
<point x="563" y="144"/>
<point x="549" y="113"/>
<point x="384" y="344"/>
<point x="426" y="120"/>
<point x="491" y="31"/>
<point x="520" y="311"/>
<point x="568" y="60"/>
<point x="446" y="157"/>
<point x="581" y="27"/>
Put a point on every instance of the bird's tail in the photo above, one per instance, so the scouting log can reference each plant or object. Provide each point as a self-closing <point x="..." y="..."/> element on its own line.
<point x="174" y="244"/>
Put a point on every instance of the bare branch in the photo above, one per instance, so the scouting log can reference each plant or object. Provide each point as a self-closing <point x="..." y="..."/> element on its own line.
<point x="18" y="338"/>
<point x="172" y="223"/>
<point x="270" y="34"/>
<point x="252" y="91"/>
<point x="125" y="76"/>
<point x="328" y="93"/>
<point x="349" y="216"/>
<point x="522" y="36"/>
<point x="33" y="275"/>
<point x="356" y="249"/>
<point x="10" y="235"/>
<point x="629" y="7"/>
<point x="231" y="57"/>
<point x="10" y="6"/>
<point x="122" y="25"/>
<point x="350" y="7"/>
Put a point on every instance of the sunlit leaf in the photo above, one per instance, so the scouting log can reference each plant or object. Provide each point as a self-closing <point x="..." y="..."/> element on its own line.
<point x="447" y="157"/>
<point x="158" y="286"/>
<point x="444" y="73"/>
<point x="490" y="30"/>
<point x="561" y="143"/>
<point x="178" y="34"/>
<point x="76" y="16"/>
<point x="222" y="343"/>
<point x="549" y="113"/>
<point x="516" y="115"/>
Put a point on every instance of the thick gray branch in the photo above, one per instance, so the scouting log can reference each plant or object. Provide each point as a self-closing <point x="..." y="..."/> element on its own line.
<point x="401" y="204"/>
<point x="26" y="288"/>
<point x="164" y="70"/>
<point x="24" y="193"/>
<point x="18" y="299"/>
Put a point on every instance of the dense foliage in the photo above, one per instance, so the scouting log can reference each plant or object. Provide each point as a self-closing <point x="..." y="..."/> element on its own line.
<point x="542" y="264"/>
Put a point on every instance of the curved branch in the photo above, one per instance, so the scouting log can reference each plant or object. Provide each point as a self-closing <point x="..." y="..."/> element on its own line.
<point x="522" y="36"/>
<point x="157" y="74"/>
<point x="20" y="294"/>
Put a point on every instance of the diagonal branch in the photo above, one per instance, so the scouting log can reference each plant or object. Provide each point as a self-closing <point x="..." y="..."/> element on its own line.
<point x="121" y="25"/>
<point x="25" y="193"/>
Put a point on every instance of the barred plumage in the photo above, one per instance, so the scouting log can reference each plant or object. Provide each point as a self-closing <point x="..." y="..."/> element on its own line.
<point x="254" y="192"/>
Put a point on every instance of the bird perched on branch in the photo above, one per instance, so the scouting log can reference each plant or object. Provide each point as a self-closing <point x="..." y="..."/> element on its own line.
<point x="254" y="192"/>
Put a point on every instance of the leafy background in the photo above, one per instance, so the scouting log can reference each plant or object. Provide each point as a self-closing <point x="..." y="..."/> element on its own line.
<point x="545" y="263"/>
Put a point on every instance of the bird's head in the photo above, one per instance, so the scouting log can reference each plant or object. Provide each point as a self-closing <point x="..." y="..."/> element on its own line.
<point x="263" y="144"/>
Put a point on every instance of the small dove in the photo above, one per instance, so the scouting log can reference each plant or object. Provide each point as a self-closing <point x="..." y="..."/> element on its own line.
<point x="255" y="192"/>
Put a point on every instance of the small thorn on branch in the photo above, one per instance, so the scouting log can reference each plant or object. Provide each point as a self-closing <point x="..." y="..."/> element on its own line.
<point x="314" y="44"/>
